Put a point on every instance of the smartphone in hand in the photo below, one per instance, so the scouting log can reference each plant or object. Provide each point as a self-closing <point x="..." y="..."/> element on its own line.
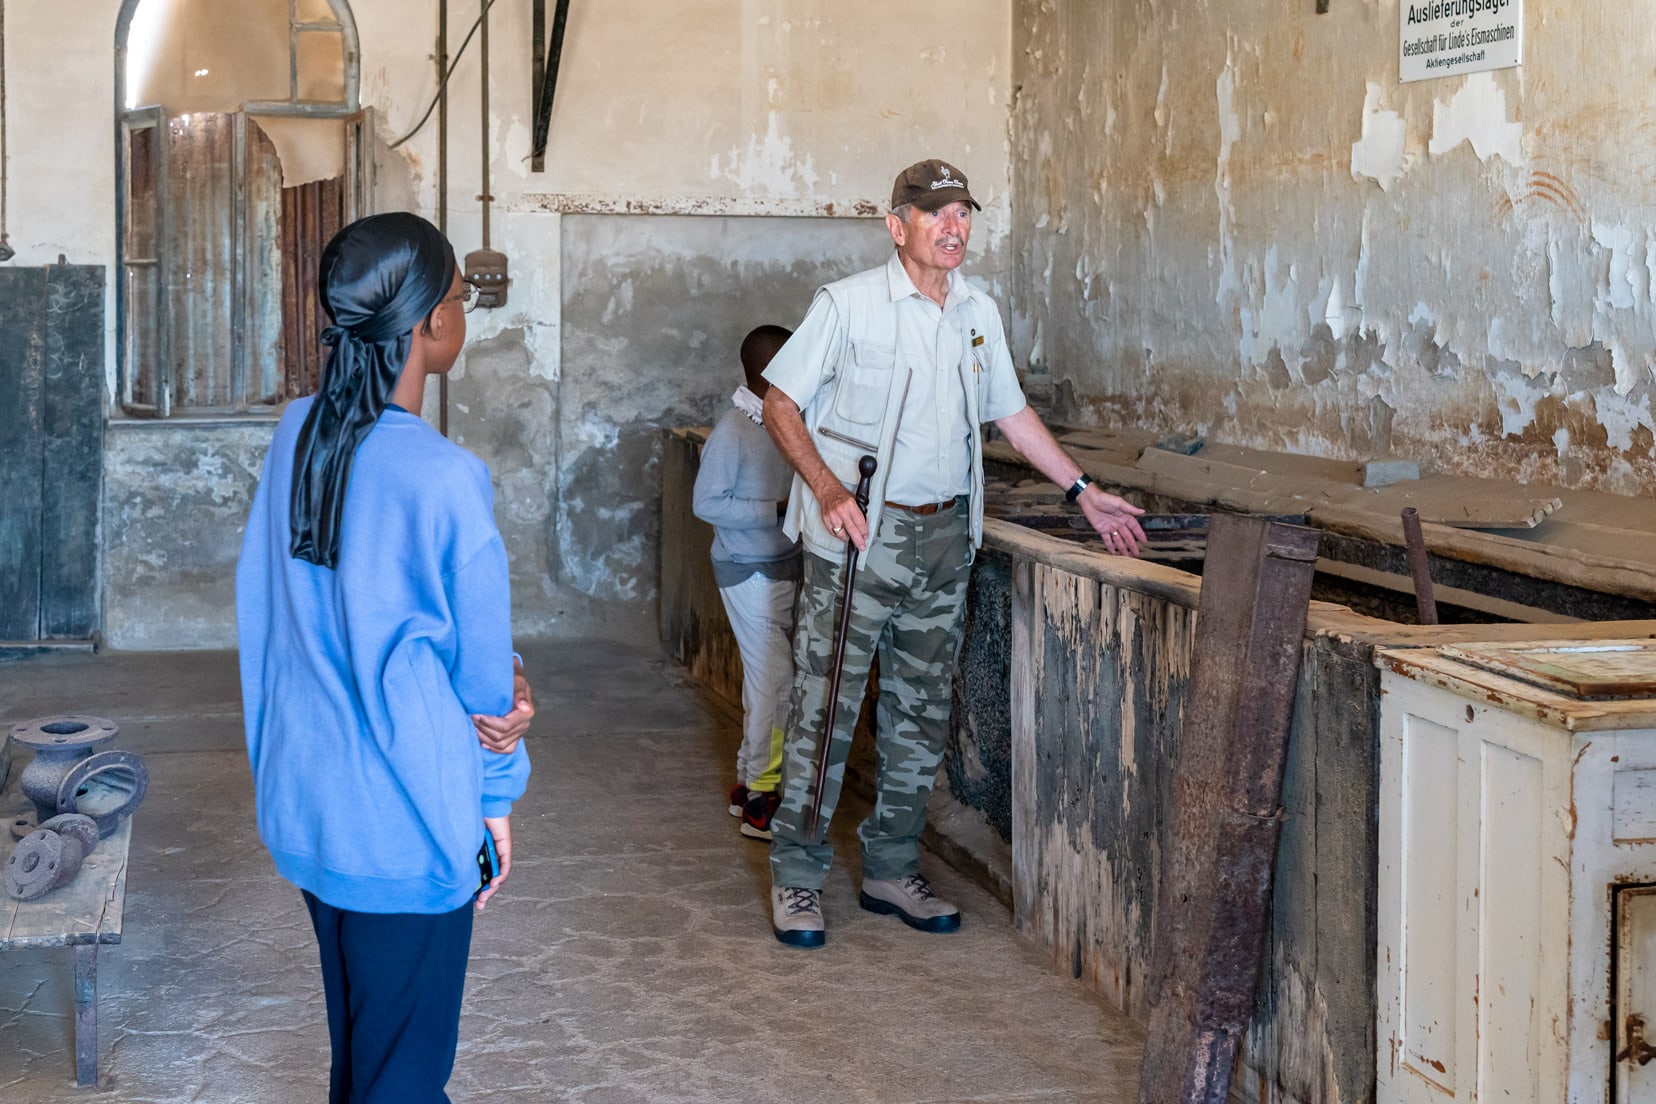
<point x="485" y="863"/>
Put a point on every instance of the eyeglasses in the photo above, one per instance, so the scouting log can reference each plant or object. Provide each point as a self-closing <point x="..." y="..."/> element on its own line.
<point x="467" y="296"/>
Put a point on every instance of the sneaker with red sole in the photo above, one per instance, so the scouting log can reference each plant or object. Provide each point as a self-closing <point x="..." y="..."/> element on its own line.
<point x="738" y="799"/>
<point x="757" y="814"/>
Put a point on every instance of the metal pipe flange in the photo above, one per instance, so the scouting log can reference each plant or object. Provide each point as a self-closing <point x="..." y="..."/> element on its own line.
<point x="82" y="828"/>
<point x="58" y="743"/>
<point x="41" y="862"/>
<point x="68" y="731"/>
<point x="106" y="787"/>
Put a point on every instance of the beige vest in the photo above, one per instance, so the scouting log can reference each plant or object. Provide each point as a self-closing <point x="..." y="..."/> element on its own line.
<point x="859" y="406"/>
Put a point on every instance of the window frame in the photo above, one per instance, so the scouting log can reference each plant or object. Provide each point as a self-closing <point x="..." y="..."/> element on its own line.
<point x="358" y="187"/>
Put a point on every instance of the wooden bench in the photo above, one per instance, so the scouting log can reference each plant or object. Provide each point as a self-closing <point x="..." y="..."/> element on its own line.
<point x="84" y="914"/>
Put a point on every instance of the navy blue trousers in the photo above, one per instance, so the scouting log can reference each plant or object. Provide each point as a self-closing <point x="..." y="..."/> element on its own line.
<point x="393" y="983"/>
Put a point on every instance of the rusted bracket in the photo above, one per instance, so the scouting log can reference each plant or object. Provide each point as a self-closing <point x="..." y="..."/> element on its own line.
<point x="1220" y="846"/>
<point x="546" y="59"/>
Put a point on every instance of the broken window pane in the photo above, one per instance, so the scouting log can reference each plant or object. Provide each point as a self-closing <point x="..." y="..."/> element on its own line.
<point x="314" y="11"/>
<point x="321" y="59"/>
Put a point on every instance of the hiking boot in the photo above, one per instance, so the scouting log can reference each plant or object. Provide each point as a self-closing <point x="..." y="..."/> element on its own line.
<point x="912" y="901"/>
<point x="738" y="799"/>
<point x="757" y="813"/>
<point x="796" y="916"/>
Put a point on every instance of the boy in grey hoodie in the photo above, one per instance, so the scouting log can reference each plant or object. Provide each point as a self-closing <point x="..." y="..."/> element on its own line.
<point x="742" y="491"/>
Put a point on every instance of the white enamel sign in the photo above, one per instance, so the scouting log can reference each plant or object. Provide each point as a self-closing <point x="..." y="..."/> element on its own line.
<point x="1444" y="38"/>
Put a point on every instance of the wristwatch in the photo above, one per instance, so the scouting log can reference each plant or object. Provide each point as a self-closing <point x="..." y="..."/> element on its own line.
<point x="1081" y="483"/>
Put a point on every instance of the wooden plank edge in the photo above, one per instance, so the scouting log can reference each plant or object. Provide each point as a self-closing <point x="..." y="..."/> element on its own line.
<point x="1453" y="596"/>
<point x="44" y="647"/>
<point x="1511" y="696"/>
<point x="1356" y="632"/>
<point x="1168" y="583"/>
<point x="1553" y="563"/>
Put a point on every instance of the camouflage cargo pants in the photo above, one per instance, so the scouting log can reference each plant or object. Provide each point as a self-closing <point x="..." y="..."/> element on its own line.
<point x="907" y="606"/>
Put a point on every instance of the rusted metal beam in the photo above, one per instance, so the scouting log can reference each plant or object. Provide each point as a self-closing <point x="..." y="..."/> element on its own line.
<point x="1220" y="848"/>
<point x="546" y="84"/>
<point x="1419" y="567"/>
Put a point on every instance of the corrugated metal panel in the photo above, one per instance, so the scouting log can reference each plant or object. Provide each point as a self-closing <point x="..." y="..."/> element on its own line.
<point x="260" y="367"/>
<point x="311" y="214"/>
<point x="240" y="255"/>
<point x="200" y="246"/>
<point x="142" y="333"/>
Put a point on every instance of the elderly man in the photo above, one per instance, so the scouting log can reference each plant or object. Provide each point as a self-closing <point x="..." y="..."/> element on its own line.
<point x="903" y="363"/>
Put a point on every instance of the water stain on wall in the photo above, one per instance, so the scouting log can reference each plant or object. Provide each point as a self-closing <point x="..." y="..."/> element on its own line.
<point x="175" y="503"/>
<point x="654" y="311"/>
<point x="502" y="410"/>
<point x="1260" y="235"/>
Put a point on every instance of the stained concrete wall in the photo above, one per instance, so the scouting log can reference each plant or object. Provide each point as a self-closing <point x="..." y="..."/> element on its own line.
<point x="1233" y="220"/>
<point x="729" y="109"/>
<point x="175" y="502"/>
<point x="655" y="309"/>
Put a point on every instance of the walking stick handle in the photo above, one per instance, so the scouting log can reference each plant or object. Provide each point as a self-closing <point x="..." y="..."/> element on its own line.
<point x="866" y="468"/>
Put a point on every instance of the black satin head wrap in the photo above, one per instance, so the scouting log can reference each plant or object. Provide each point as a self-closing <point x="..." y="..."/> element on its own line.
<point x="380" y="277"/>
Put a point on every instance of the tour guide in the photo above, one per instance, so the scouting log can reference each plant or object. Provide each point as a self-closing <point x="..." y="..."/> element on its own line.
<point x="903" y="363"/>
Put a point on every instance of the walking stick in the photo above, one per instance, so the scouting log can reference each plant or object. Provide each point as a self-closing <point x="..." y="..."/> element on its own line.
<point x="865" y="468"/>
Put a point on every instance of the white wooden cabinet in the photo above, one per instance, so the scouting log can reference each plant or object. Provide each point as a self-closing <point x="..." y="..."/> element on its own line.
<point x="1517" y="874"/>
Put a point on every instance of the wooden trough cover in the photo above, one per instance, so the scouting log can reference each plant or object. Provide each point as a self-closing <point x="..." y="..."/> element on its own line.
<point x="1168" y="537"/>
<point x="1588" y="670"/>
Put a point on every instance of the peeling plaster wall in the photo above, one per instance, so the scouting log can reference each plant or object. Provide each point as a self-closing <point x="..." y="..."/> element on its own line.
<point x="1232" y="220"/>
<point x="788" y="109"/>
<point x="172" y="520"/>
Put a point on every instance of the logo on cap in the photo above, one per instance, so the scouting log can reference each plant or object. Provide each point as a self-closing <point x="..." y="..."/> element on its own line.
<point x="921" y="181"/>
<point x="946" y="181"/>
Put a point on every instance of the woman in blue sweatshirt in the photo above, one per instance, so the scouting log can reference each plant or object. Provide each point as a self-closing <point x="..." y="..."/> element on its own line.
<point x="374" y="617"/>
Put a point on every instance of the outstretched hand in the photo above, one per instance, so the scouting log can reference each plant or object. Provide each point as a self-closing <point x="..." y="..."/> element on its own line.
<point x="1115" y="520"/>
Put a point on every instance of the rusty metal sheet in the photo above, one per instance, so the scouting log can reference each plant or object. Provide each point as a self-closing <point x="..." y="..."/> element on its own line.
<point x="200" y="242"/>
<point x="311" y="215"/>
<point x="1220" y="846"/>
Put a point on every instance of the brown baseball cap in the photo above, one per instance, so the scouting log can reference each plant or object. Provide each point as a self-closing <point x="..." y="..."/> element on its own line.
<point x="930" y="185"/>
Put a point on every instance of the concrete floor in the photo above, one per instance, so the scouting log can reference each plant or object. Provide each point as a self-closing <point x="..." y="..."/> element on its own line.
<point x="629" y="960"/>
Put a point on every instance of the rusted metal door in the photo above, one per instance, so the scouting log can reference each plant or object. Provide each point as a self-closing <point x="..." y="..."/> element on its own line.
<point x="311" y="214"/>
<point x="1633" y="1073"/>
<point x="219" y="257"/>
